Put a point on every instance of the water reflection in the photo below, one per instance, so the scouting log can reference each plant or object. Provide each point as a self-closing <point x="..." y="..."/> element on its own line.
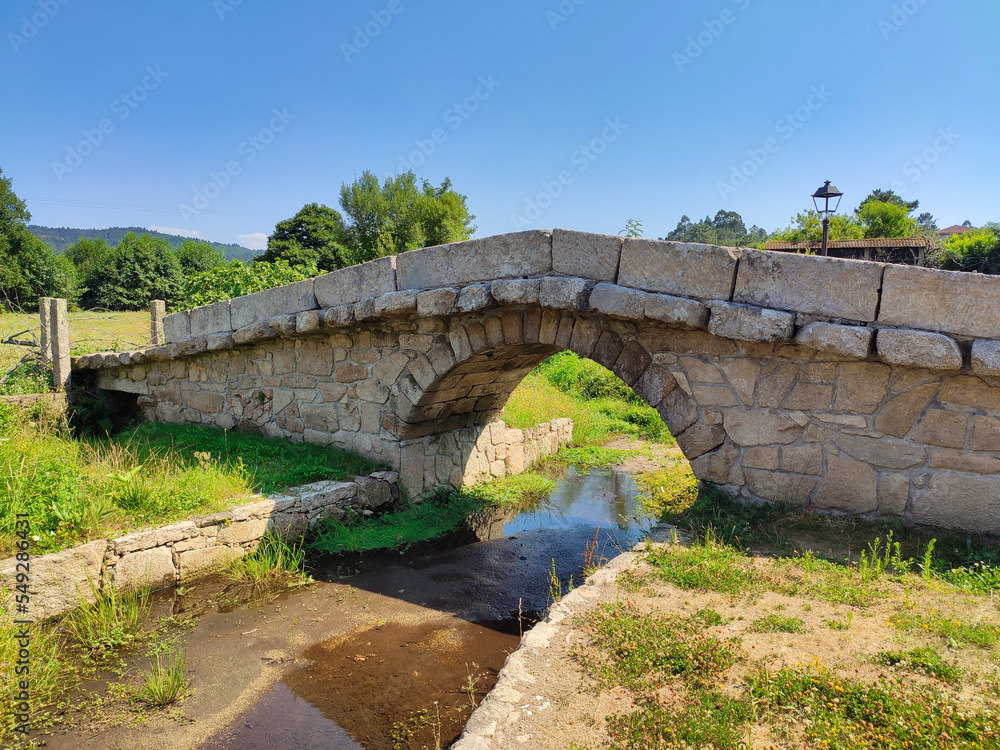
<point x="606" y="499"/>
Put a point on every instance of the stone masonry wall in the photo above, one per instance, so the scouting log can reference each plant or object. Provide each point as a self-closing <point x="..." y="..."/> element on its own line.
<point x="834" y="384"/>
<point x="181" y="552"/>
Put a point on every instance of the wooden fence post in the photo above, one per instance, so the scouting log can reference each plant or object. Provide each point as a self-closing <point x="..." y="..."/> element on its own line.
<point x="157" y="312"/>
<point x="45" y="334"/>
<point x="59" y="339"/>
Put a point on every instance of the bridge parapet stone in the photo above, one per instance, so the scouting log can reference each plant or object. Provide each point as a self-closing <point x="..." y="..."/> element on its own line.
<point x="831" y="287"/>
<point x="514" y="255"/>
<point x="680" y="269"/>
<point x="945" y="301"/>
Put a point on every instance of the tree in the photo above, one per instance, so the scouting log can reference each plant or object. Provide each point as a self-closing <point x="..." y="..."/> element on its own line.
<point x="727" y="229"/>
<point x="378" y="219"/>
<point x="889" y="196"/>
<point x="139" y="270"/>
<point x="29" y="268"/>
<point x="197" y="255"/>
<point x="808" y="227"/>
<point x="314" y="236"/>
<point x="978" y="250"/>
<point x="886" y="219"/>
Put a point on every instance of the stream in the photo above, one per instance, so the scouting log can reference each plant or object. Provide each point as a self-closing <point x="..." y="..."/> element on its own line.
<point x="385" y="650"/>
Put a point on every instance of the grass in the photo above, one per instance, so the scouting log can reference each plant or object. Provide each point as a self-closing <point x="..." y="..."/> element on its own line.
<point x="165" y="682"/>
<point x="639" y="651"/>
<point x="844" y="714"/>
<point x="956" y="632"/>
<point x="273" y="561"/>
<point x="108" y="625"/>
<point x="889" y="686"/>
<point x="707" y="567"/>
<point x="74" y="489"/>
<point x="924" y="660"/>
<point x="599" y="403"/>
<point x="777" y="624"/>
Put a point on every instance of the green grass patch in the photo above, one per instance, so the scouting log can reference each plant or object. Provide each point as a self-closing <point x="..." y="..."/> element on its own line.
<point x="51" y="675"/>
<point x="165" y="683"/>
<point x="275" y="561"/>
<point x="640" y="651"/>
<point x="842" y="714"/>
<point x="599" y="403"/>
<point x="591" y="456"/>
<point x="775" y="623"/>
<point x="74" y="489"/>
<point x="397" y="530"/>
<point x="706" y="567"/>
<point x="924" y="660"/>
<point x="957" y="632"/>
<point x="108" y="625"/>
<point x="271" y="464"/>
<point x="708" y="719"/>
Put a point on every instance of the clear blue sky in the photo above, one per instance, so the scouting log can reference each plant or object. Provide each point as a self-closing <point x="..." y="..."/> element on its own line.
<point x="907" y="96"/>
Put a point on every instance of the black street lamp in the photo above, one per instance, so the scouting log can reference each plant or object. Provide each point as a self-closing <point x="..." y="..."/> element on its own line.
<point x="826" y="193"/>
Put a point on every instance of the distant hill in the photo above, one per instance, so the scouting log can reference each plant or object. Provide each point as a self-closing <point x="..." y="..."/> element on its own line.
<point x="61" y="238"/>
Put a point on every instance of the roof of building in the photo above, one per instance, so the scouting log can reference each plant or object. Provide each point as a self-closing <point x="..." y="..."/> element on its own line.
<point x="880" y="243"/>
<point x="956" y="229"/>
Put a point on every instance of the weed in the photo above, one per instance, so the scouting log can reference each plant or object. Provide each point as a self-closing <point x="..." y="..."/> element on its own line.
<point x="591" y="561"/>
<point x="708" y="616"/>
<point x="844" y="624"/>
<point x="165" y="682"/>
<point x="109" y="624"/>
<point x="955" y="632"/>
<point x="843" y="714"/>
<point x="641" y="651"/>
<point x="668" y="491"/>
<point x="777" y="624"/>
<point x="471" y="680"/>
<point x="924" y="659"/>
<point x="709" y="719"/>
<point x="555" y="585"/>
<point x="927" y="568"/>
<point x="706" y="567"/>
<point x="273" y="561"/>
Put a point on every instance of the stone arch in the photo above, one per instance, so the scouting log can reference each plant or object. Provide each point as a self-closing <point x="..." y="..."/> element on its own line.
<point x="465" y="380"/>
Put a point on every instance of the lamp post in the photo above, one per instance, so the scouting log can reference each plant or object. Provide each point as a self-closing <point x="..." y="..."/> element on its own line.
<point x="826" y="193"/>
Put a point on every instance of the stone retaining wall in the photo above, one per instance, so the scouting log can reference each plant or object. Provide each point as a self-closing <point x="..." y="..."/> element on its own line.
<point x="182" y="552"/>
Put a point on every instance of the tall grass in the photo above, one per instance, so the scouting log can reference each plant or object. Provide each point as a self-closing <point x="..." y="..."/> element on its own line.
<point x="274" y="560"/>
<point x="111" y="623"/>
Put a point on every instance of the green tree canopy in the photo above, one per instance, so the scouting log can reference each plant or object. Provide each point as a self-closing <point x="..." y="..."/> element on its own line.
<point x="139" y="270"/>
<point x="378" y="219"/>
<point x="808" y="227"/>
<point x="196" y="256"/>
<point x="29" y="268"/>
<point x="978" y="250"/>
<point x="886" y="219"/>
<point x="314" y="236"/>
<point x="889" y="196"/>
<point x="726" y="229"/>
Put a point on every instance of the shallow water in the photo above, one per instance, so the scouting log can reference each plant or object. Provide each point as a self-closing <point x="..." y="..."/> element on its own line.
<point x="416" y="677"/>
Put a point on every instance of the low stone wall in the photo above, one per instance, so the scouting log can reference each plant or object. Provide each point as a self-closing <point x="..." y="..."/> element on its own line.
<point x="184" y="551"/>
<point x="479" y="454"/>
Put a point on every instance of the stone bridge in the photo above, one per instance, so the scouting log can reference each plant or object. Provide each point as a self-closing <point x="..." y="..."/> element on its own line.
<point x="833" y="384"/>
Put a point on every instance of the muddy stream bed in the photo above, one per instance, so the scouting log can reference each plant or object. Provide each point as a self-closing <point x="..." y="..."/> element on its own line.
<point x="382" y="648"/>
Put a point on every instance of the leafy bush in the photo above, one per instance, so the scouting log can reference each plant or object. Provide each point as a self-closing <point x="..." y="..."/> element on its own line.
<point x="571" y="373"/>
<point x="972" y="251"/>
<point x="238" y="279"/>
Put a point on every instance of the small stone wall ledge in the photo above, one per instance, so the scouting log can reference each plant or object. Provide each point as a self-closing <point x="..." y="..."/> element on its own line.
<point x="180" y="552"/>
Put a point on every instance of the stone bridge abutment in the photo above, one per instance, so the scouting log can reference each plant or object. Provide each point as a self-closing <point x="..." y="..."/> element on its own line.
<point x="837" y="385"/>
